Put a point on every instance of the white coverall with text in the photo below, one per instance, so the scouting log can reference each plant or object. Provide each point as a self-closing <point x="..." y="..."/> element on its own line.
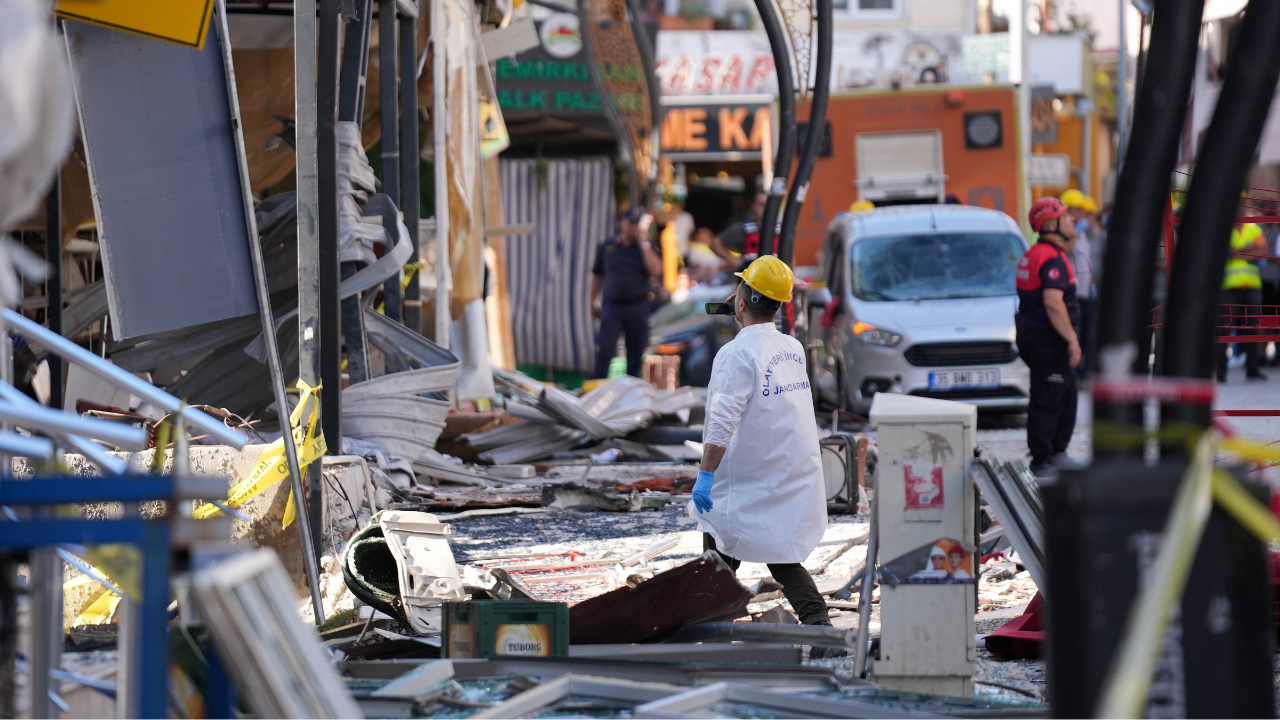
<point x="768" y="497"/>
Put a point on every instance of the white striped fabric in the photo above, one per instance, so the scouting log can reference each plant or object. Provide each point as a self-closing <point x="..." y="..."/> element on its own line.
<point x="572" y="211"/>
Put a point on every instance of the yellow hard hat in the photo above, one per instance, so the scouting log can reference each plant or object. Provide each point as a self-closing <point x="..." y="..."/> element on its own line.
<point x="1089" y="205"/>
<point x="860" y="205"/>
<point x="770" y="277"/>
<point x="1073" y="198"/>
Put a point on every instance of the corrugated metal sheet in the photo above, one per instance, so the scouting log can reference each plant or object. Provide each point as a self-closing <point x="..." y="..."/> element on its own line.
<point x="571" y="207"/>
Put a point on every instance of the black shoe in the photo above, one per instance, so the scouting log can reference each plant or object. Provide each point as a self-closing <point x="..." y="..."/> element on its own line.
<point x="1256" y="375"/>
<point x="821" y="652"/>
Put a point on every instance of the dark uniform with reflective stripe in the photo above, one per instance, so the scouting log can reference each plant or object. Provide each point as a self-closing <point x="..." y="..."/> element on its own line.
<point x="1051" y="417"/>
<point x="744" y="239"/>
<point x="625" y="306"/>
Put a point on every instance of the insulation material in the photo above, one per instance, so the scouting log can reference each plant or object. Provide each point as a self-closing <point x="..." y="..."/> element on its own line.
<point x="469" y="339"/>
<point x="356" y="182"/>
<point x="466" y="224"/>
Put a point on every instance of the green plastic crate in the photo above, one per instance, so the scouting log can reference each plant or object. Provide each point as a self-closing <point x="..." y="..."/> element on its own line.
<point x="491" y="628"/>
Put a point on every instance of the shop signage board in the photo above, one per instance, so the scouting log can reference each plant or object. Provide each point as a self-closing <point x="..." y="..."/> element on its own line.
<point x="554" y="78"/>
<point x="735" y="62"/>
<point x="1049" y="170"/>
<point x="717" y="128"/>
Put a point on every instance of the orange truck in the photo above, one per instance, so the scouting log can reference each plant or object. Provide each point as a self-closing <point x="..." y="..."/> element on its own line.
<point x="914" y="145"/>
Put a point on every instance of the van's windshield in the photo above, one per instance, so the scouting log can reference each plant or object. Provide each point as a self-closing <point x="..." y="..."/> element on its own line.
<point x="935" y="266"/>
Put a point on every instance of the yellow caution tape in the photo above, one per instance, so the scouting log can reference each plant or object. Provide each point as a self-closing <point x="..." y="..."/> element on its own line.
<point x="273" y="466"/>
<point x="1128" y="682"/>
<point x="79" y="580"/>
<point x="121" y="563"/>
<point x="100" y="610"/>
<point x="410" y="270"/>
<point x="1245" y="508"/>
<point x="1250" y="450"/>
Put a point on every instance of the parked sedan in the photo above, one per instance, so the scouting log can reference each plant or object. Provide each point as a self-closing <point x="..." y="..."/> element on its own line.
<point x="684" y="328"/>
<point x="922" y="300"/>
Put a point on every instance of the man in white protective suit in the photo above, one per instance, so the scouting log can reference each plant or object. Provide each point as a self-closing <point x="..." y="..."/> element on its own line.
<point x="759" y="496"/>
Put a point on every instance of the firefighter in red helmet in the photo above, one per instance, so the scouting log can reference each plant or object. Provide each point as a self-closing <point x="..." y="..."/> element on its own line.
<point x="1048" y="321"/>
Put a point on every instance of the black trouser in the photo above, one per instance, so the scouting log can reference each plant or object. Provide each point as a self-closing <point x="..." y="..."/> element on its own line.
<point x="1086" y="337"/>
<point x="1239" y="308"/>
<point x="1051" y="415"/>
<point x="630" y="319"/>
<point x="797" y="585"/>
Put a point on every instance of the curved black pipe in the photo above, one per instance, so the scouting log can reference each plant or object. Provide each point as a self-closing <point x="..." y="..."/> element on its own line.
<point x="786" y="123"/>
<point x="1124" y="302"/>
<point x="813" y="140"/>
<point x="1212" y="203"/>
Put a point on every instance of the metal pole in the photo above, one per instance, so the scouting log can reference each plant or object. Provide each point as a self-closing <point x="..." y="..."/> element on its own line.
<point x="53" y="255"/>
<point x="868" y="582"/>
<point x="330" y="330"/>
<point x="355" y="65"/>
<point x="309" y="285"/>
<point x="812" y="143"/>
<point x="56" y="421"/>
<point x="786" y="123"/>
<point x="38" y="334"/>
<point x="272" y="349"/>
<point x="1018" y="78"/>
<point x="438" y="21"/>
<point x="1086" y="153"/>
<point x="1142" y="190"/>
<point x="8" y="635"/>
<point x="330" y="296"/>
<point x="90" y="449"/>
<point x="304" y="34"/>
<point x="1122" y="91"/>
<point x="390" y="113"/>
<point x="409" y="163"/>
<point x="1213" y="202"/>
<point x="31" y="447"/>
<point x="45" y="591"/>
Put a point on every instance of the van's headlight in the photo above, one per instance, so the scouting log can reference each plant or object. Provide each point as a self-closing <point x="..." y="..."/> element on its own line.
<point x="872" y="335"/>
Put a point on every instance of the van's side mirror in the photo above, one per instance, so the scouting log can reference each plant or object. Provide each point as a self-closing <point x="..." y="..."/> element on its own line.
<point x="819" y="297"/>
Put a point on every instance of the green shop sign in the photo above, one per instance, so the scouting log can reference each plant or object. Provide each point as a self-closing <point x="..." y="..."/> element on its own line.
<point x="553" y="100"/>
<point x="540" y="69"/>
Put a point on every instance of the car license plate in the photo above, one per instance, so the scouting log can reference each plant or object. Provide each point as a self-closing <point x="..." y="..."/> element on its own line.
<point x="964" y="379"/>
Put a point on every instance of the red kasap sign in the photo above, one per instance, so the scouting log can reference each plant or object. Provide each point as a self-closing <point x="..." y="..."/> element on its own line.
<point x="716" y="73"/>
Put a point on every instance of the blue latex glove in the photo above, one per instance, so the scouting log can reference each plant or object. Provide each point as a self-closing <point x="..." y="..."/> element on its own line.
<point x="702" y="491"/>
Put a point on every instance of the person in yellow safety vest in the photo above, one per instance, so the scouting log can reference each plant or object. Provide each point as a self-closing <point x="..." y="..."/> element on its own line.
<point x="1242" y="297"/>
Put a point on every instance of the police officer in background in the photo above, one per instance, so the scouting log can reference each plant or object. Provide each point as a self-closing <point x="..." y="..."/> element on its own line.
<point x="1048" y="322"/>
<point x="624" y="263"/>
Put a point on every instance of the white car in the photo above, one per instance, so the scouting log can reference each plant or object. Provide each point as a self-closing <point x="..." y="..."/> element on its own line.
<point x="926" y="303"/>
